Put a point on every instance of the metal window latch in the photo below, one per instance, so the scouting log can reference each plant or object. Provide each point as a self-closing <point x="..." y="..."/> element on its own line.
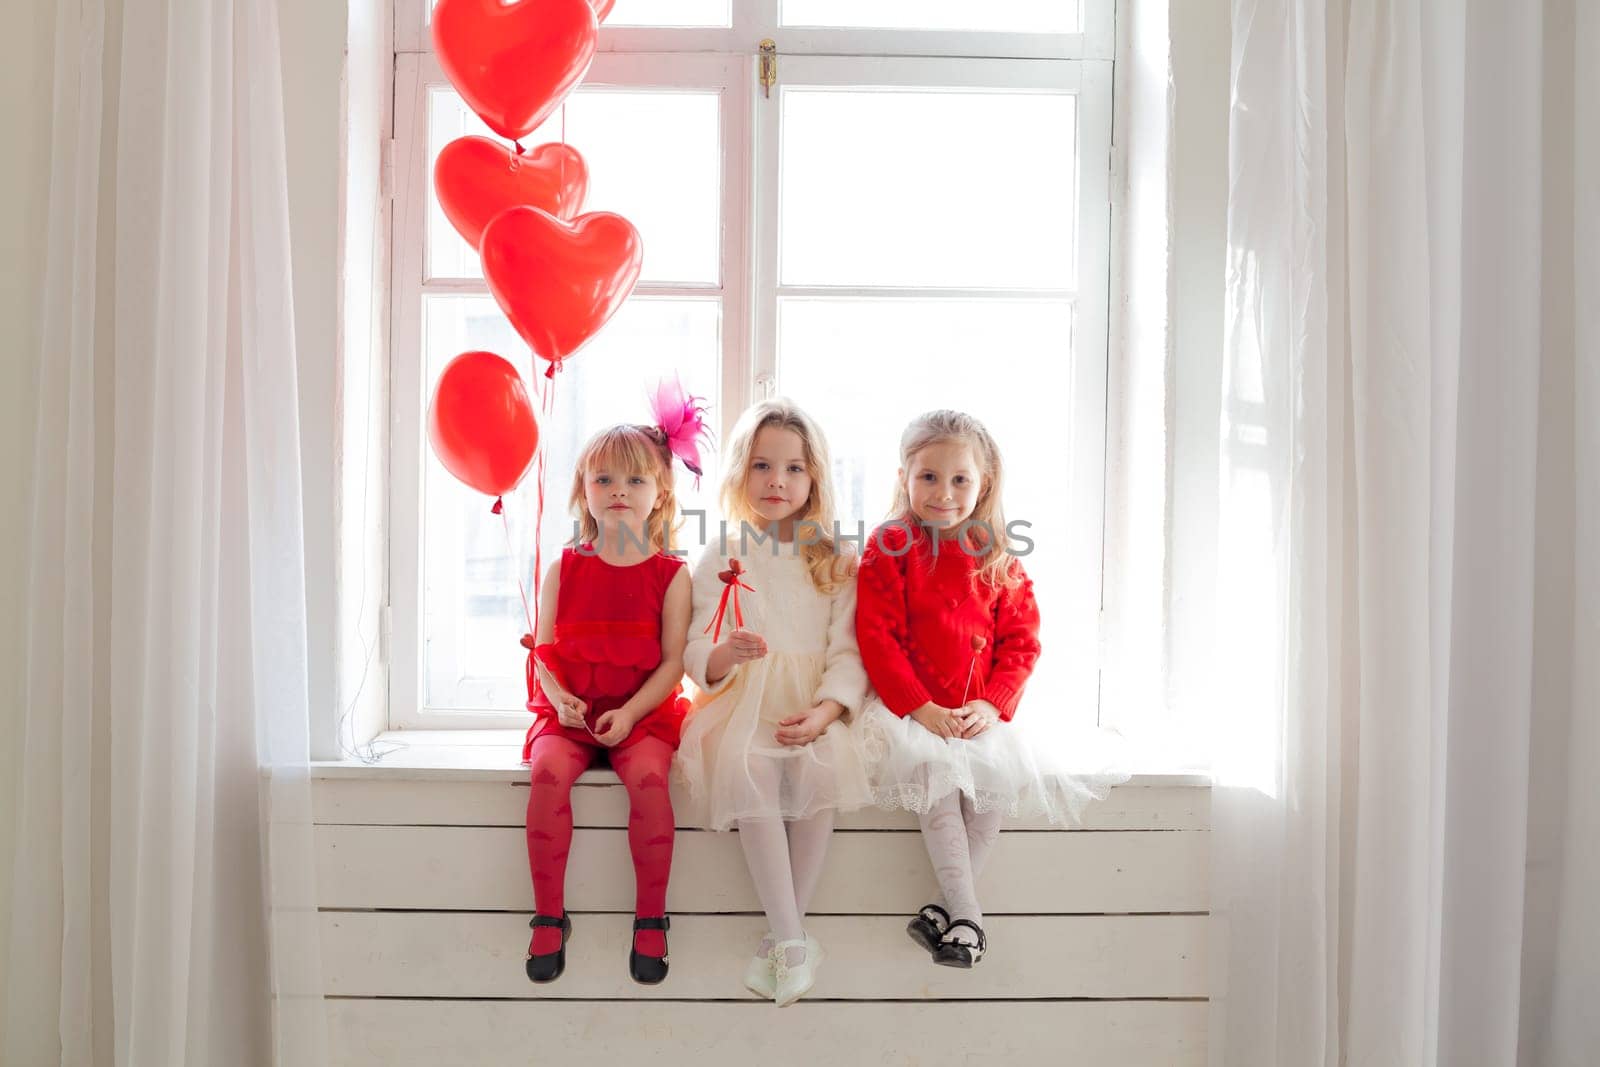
<point x="769" y="66"/>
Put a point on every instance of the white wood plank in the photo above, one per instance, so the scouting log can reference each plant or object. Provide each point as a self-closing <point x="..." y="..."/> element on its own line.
<point x="495" y="755"/>
<point x="500" y="763"/>
<point x="603" y="802"/>
<point x="444" y="1033"/>
<point x="480" y="954"/>
<point x="485" y="868"/>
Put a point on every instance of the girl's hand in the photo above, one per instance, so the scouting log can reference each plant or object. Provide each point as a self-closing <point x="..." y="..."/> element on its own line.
<point x="740" y="646"/>
<point x="570" y="711"/>
<point x="976" y="717"/>
<point x="746" y="646"/>
<point x="806" y="727"/>
<point x="939" y="721"/>
<point x="614" y="726"/>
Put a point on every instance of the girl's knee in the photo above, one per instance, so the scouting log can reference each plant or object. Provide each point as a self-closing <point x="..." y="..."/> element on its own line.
<point x="555" y="763"/>
<point x="644" y="767"/>
<point x="646" y="781"/>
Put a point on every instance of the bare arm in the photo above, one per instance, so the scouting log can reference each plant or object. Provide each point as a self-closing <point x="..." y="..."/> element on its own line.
<point x="545" y="633"/>
<point x="569" y="709"/>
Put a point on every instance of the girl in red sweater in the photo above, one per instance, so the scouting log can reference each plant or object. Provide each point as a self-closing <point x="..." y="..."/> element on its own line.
<point x="949" y="633"/>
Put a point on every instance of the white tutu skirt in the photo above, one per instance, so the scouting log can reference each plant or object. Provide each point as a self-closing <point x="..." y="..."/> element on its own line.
<point x="1007" y="768"/>
<point x="731" y="766"/>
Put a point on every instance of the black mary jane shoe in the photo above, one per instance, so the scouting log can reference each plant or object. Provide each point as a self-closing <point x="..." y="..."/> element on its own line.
<point x="928" y="925"/>
<point x="648" y="970"/>
<point x="548" y="967"/>
<point x="953" y="953"/>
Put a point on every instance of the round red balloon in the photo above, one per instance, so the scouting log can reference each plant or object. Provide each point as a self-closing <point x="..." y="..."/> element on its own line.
<point x="514" y="61"/>
<point x="481" y="423"/>
<point x="559" y="282"/>
<point x="475" y="179"/>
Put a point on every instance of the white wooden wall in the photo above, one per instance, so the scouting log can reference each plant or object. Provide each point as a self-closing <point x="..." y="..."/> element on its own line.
<point x="1097" y="936"/>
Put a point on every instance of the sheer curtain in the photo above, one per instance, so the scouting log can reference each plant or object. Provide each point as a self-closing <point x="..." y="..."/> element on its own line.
<point x="1406" y="830"/>
<point x="164" y="800"/>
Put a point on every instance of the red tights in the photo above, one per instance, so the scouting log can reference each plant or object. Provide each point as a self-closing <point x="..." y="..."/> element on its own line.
<point x="556" y="762"/>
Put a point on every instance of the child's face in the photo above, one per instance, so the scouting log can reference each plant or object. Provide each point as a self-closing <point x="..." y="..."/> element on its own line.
<point x="943" y="483"/>
<point x="616" y="498"/>
<point x="777" y="485"/>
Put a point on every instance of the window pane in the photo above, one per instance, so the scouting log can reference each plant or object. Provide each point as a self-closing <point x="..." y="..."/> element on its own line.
<point x="659" y="13"/>
<point x="928" y="188"/>
<point x="448" y="118"/>
<point x="654" y="157"/>
<point x="866" y="368"/>
<point x="472" y="613"/>
<point x="1014" y="16"/>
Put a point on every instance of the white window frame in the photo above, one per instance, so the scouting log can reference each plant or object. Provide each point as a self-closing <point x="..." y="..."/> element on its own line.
<point x="756" y="20"/>
<point x="725" y="60"/>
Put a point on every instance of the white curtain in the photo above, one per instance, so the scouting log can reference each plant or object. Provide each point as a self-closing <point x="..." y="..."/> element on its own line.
<point x="163" y="907"/>
<point x="1407" y="836"/>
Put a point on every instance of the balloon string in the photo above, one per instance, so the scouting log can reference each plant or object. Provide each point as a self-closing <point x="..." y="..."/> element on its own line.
<point x="547" y="403"/>
<point x="499" y="509"/>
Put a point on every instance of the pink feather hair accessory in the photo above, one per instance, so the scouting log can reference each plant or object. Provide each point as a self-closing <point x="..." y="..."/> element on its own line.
<point x="681" y="418"/>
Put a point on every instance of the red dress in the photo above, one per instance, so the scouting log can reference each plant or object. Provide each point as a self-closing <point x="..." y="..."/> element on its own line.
<point x="607" y="642"/>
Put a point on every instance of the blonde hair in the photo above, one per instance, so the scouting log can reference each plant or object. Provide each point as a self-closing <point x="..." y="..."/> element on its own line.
<point x="987" y="523"/>
<point x="826" y="566"/>
<point x="628" y="449"/>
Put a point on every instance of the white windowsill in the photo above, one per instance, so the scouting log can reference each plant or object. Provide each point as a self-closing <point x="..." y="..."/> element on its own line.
<point x="496" y="755"/>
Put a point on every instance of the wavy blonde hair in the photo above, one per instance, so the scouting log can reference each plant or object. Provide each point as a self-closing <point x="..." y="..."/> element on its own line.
<point x="939" y="427"/>
<point x="629" y="449"/>
<point x="827" y="567"/>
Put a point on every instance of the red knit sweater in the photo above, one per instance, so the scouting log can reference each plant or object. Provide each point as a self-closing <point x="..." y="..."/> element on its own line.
<point x="924" y="620"/>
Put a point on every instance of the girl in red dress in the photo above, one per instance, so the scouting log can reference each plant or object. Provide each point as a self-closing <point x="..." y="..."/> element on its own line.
<point x="608" y="659"/>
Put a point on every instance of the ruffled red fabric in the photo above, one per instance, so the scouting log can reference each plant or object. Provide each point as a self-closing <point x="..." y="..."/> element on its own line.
<point x="607" y="660"/>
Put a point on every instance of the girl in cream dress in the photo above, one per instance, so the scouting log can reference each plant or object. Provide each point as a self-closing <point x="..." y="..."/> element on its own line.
<point x="770" y="746"/>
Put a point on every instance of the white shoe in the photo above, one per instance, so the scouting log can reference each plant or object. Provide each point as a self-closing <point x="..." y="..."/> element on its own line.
<point x="758" y="973"/>
<point x="794" y="981"/>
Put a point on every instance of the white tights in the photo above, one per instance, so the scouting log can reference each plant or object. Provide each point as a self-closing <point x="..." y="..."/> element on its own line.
<point x="958" y="838"/>
<point x="785" y="861"/>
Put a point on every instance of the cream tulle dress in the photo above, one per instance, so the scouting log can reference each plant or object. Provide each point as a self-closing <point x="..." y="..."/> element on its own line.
<point x="729" y="762"/>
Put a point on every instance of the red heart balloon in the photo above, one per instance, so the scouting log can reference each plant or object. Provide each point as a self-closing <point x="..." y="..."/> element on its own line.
<point x="475" y="179"/>
<point x="602" y="8"/>
<point x="514" y="61"/>
<point x="481" y="423"/>
<point x="559" y="282"/>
